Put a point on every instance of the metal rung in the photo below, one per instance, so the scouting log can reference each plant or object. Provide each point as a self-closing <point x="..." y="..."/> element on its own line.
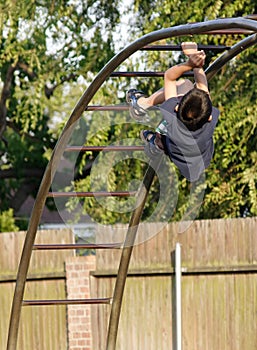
<point x="145" y="74"/>
<point x="107" y="108"/>
<point x="66" y="302"/>
<point x="92" y="194"/>
<point x="76" y="246"/>
<point x="103" y="148"/>
<point x="178" y="47"/>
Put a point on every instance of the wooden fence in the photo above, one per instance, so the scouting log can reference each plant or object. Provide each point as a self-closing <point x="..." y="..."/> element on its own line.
<point x="219" y="287"/>
<point x="41" y="328"/>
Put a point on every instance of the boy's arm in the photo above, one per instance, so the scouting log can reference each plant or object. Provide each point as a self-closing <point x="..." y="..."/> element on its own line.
<point x="200" y="79"/>
<point x="175" y="72"/>
<point x="190" y="48"/>
<point x="170" y="77"/>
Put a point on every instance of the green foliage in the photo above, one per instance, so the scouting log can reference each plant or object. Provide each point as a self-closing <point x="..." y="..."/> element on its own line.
<point x="230" y="186"/>
<point x="49" y="53"/>
<point x="232" y="181"/>
<point x="44" y="47"/>
<point x="7" y="221"/>
<point x="154" y="14"/>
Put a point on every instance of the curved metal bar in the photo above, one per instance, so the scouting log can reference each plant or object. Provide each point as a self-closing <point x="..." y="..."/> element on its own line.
<point x="126" y="254"/>
<point x="108" y="108"/>
<point x="188" y="29"/>
<point x="228" y="55"/>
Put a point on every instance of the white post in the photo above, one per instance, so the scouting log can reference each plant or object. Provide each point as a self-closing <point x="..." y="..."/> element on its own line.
<point x="178" y="296"/>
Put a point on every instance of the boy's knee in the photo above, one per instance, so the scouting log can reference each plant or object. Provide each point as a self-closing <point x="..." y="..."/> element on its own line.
<point x="183" y="86"/>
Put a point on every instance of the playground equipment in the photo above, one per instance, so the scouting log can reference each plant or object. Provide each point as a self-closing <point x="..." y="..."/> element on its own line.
<point x="226" y="26"/>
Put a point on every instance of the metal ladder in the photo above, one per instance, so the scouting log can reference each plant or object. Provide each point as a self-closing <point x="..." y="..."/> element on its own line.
<point x="246" y="26"/>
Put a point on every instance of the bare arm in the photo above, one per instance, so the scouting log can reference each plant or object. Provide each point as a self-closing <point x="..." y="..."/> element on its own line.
<point x="172" y="74"/>
<point x="200" y="79"/>
<point x="190" y="48"/>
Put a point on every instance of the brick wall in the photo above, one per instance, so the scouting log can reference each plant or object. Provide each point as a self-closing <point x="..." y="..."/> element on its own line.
<point x="79" y="316"/>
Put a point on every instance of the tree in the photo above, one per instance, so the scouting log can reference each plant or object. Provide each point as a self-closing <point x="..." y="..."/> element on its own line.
<point x="231" y="181"/>
<point x="43" y="47"/>
<point x="46" y="50"/>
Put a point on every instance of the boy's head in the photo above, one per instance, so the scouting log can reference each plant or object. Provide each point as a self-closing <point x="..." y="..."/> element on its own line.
<point x="195" y="109"/>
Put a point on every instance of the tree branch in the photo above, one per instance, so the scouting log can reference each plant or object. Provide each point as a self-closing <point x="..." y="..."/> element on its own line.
<point x="26" y="69"/>
<point x="6" y="92"/>
<point x="50" y="90"/>
<point x="32" y="138"/>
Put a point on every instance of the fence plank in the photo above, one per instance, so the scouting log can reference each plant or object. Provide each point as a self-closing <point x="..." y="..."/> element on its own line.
<point x="219" y="287"/>
<point x="213" y="243"/>
<point x="41" y="328"/>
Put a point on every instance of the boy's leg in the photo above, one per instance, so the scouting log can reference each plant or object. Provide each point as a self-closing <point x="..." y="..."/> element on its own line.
<point x="183" y="86"/>
<point x="135" y="110"/>
<point x="139" y="102"/>
<point x="155" y="99"/>
<point x="158" y="97"/>
<point x="153" y="143"/>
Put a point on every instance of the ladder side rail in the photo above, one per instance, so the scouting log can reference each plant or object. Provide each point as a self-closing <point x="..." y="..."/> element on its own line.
<point x="126" y="254"/>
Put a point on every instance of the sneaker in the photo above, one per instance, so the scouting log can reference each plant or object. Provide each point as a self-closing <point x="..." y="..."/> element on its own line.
<point x="135" y="111"/>
<point x="151" y="149"/>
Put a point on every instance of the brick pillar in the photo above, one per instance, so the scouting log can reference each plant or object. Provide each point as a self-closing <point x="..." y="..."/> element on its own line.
<point x="79" y="316"/>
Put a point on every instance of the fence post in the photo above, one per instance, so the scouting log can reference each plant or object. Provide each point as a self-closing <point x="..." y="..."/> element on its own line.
<point x="178" y="296"/>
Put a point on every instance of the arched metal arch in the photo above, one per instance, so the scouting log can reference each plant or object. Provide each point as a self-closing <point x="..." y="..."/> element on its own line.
<point x="187" y="29"/>
<point x="228" y="55"/>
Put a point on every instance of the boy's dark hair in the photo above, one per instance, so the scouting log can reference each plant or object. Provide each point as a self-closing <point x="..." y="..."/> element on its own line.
<point x="194" y="109"/>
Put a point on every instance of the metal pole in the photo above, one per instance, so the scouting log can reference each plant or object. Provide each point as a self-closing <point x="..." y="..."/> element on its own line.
<point x="228" y="55"/>
<point x="178" y="297"/>
<point x="126" y="254"/>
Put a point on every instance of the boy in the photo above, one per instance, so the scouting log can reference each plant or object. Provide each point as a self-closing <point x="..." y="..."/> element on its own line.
<point x="189" y="119"/>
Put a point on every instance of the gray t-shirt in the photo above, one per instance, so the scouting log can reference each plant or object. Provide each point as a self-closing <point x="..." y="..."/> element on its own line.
<point x="190" y="151"/>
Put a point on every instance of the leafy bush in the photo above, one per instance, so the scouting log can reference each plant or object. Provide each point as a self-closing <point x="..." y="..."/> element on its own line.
<point x="7" y="221"/>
